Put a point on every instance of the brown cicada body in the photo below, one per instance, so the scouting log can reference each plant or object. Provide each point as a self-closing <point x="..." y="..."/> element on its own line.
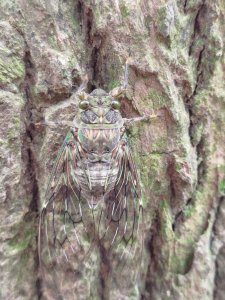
<point x="93" y="196"/>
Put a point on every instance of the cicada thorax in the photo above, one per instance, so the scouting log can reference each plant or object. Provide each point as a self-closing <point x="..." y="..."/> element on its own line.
<point x="98" y="130"/>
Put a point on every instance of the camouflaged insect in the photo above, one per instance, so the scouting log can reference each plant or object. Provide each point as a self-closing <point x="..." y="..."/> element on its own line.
<point x="94" y="189"/>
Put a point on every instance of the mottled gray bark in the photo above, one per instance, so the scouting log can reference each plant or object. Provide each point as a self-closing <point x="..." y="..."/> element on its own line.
<point x="177" y="72"/>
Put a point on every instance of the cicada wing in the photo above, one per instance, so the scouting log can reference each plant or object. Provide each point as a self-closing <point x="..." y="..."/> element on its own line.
<point x="121" y="218"/>
<point x="62" y="222"/>
<point x="128" y="215"/>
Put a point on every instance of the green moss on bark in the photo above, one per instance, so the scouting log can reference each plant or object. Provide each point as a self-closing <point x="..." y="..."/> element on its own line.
<point x="11" y="69"/>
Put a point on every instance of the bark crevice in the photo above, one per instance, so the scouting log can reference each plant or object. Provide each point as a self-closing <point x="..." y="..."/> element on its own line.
<point x="93" y="40"/>
<point x="197" y="26"/>
<point x="185" y="5"/>
<point x="104" y="273"/>
<point x="29" y="155"/>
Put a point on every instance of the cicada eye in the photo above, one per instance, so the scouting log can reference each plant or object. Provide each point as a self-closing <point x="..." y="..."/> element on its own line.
<point x="84" y="105"/>
<point x="115" y="104"/>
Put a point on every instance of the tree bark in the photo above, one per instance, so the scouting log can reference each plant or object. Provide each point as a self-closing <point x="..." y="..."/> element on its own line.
<point x="177" y="72"/>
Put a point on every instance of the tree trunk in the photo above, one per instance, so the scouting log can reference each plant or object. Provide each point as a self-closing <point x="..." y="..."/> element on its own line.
<point x="177" y="72"/>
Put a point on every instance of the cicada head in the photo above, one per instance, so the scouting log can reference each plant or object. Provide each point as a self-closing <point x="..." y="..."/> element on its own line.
<point x="98" y="108"/>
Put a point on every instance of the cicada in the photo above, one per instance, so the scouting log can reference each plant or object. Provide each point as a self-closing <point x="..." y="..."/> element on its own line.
<point x="93" y="196"/>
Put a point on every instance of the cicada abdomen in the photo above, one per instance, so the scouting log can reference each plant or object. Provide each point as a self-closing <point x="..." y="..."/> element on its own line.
<point x="93" y="195"/>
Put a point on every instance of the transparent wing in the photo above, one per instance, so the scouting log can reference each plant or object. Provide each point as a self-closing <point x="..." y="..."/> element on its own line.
<point x="70" y="226"/>
<point x="119" y="224"/>
<point x="62" y="218"/>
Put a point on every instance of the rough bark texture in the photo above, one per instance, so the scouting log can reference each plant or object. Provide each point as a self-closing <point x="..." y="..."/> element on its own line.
<point x="177" y="72"/>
